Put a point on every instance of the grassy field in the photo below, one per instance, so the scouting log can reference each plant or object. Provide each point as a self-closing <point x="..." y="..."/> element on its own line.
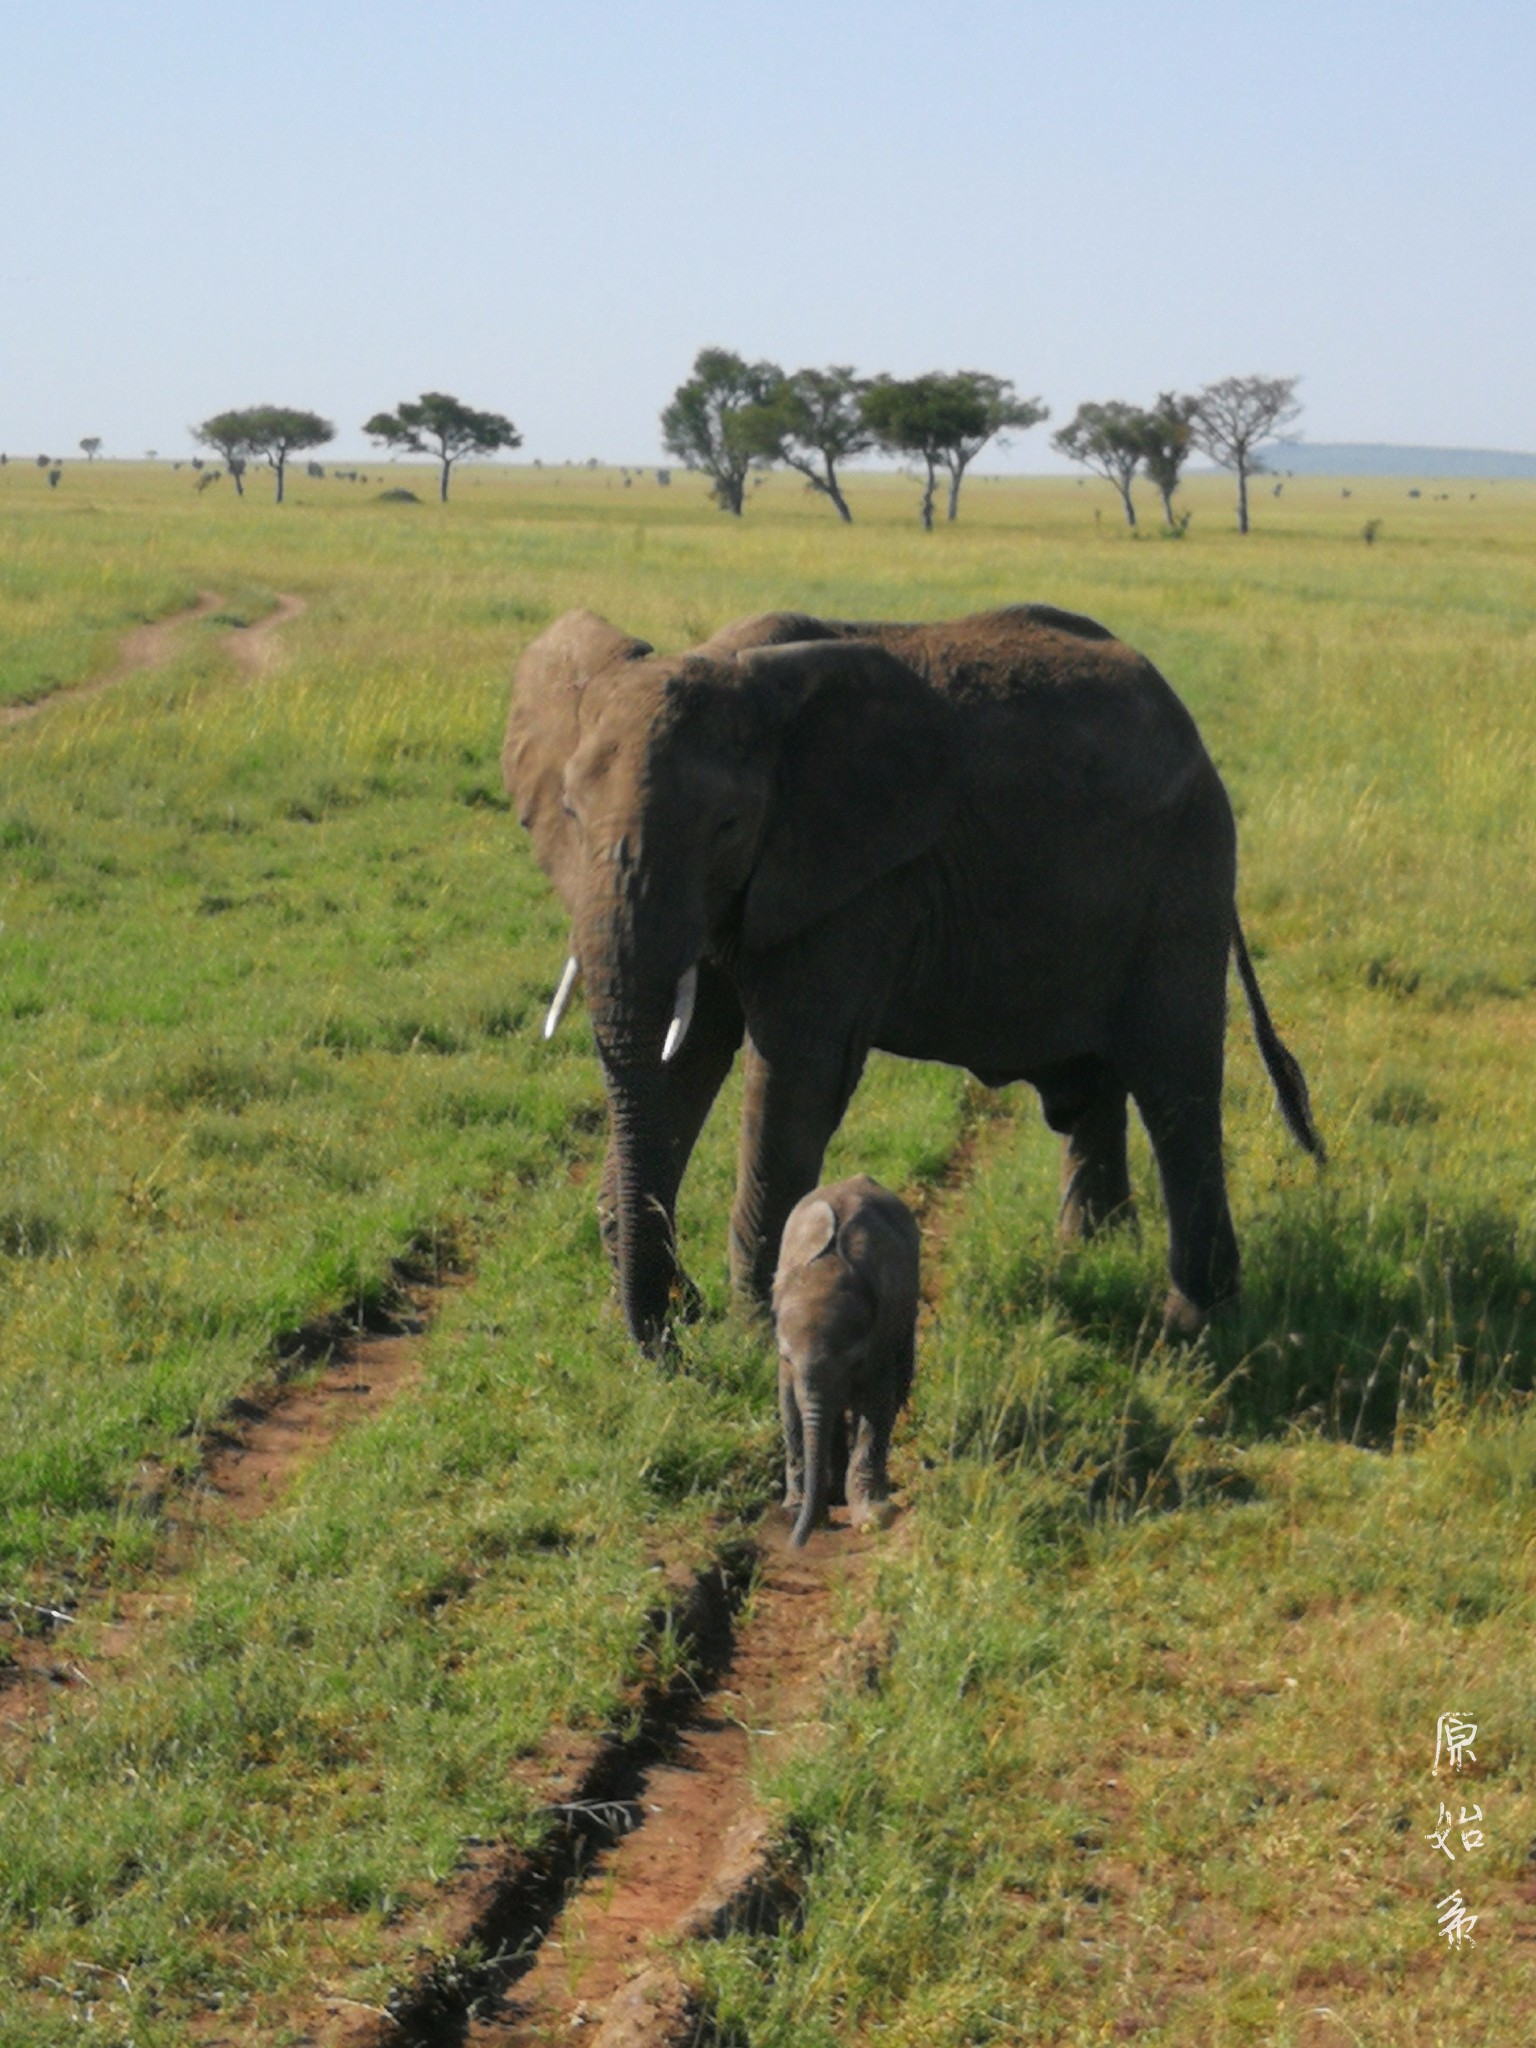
<point x="1152" y="1758"/>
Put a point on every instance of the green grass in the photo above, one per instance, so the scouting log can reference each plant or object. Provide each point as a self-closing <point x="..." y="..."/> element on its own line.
<point x="272" y="959"/>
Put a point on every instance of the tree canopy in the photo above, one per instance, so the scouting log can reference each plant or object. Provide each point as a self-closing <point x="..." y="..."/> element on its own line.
<point x="1168" y="439"/>
<point x="1110" y="439"/>
<point x="436" y="424"/>
<point x="91" y="443"/>
<point x="945" y="419"/>
<point x="812" y="421"/>
<point x="1232" y="417"/>
<point x="270" y="432"/>
<point x="226" y="433"/>
<point x="715" y="423"/>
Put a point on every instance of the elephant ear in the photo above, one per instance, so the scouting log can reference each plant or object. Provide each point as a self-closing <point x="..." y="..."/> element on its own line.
<point x="810" y="1231"/>
<point x="865" y="779"/>
<point x="553" y="679"/>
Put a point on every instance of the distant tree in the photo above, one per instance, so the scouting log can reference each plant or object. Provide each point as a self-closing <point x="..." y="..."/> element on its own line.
<point x="1169" y="430"/>
<point x="229" y="434"/>
<point x="714" y="422"/>
<point x="438" y="425"/>
<point x="91" y="444"/>
<point x="811" y="422"/>
<point x="270" y="432"/>
<point x="43" y="461"/>
<point x="1233" y="417"/>
<point x="1111" y="440"/>
<point x="278" y="431"/>
<point x="996" y="406"/>
<point x="945" y="419"/>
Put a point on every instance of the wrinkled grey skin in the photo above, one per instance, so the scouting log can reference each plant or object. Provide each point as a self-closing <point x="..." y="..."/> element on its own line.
<point x="995" y="841"/>
<point x="845" y="1316"/>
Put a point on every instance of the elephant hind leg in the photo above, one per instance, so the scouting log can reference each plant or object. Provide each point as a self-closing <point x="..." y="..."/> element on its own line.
<point x="1086" y="1102"/>
<point x="1184" y="1125"/>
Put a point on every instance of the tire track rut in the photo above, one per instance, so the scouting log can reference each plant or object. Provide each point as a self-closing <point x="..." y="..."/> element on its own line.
<point x="664" y="1840"/>
<point x="152" y="646"/>
<point x="260" y="1444"/>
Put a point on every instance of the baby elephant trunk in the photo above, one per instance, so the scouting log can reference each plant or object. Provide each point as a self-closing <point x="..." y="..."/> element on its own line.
<point x="818" y="1471"/>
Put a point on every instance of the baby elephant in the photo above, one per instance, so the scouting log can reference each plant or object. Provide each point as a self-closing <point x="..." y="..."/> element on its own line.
<point x="845" y="1310"/>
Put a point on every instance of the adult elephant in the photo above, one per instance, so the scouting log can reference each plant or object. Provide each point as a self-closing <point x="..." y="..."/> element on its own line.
<point x="996" y="841"/>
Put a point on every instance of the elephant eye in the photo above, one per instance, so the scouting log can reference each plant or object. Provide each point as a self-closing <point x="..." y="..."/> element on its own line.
<point x="727" y="826"/>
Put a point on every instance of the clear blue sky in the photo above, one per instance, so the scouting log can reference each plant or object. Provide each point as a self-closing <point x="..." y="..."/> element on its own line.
<point x="548" y="208"/>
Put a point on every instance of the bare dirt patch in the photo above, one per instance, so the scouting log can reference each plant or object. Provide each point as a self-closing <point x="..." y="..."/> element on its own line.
<point x="253" y="647"/>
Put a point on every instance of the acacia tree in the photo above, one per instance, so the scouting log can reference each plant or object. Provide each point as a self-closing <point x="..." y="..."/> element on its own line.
<point x="226" y="433"/>
<point x="273" y="432"/>
<point x="278" y="431"/>
<point x="945" y="419"/>
<point x="906" y="415"/>
<point x="1111" y="440"/>
<point x="438" y="425"/>
<point x="715" y="423"/>
<point x="91" y="444"/>
<point x="1231" y="418"/>
<point x="984" y="406"/>
<point x="1168" y="438"/>
<point x="812" y="421"/>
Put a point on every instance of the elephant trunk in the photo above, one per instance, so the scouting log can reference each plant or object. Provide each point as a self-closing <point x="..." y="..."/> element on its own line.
<point x="630" y="1015"/>
<point x="818" y="1469"/>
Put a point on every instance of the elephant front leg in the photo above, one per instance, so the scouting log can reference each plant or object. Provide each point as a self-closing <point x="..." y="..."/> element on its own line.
<point x="787" y="1121"/>
<point x="875" y="1411"/>
<point x="869" y="1482"/>
<point x="691" y="1083"/>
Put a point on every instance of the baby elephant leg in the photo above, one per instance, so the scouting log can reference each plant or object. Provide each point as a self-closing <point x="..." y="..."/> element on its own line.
<point x="869" y="1480"/>
<point x="794" y="1439"/>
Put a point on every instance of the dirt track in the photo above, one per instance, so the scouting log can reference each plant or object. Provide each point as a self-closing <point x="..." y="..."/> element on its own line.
<point x="655" y="1839"/>
<point x="148" y="647"/>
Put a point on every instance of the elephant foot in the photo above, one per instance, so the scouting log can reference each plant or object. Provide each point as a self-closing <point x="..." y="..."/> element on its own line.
<point x="873" y="1514"/>
<point x="1079" y="1221"/>
<point x="1182" y="1321"/>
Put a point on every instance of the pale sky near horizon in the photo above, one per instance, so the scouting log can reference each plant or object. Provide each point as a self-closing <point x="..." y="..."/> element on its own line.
<point x="548" y="209"/>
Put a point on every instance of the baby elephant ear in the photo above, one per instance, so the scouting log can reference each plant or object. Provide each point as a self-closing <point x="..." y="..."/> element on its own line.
<point x="864" y="784"/>
<point x="810" y="1231"/>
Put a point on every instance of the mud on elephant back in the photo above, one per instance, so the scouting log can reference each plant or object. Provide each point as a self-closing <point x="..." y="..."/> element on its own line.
<point x="996" y="841"/>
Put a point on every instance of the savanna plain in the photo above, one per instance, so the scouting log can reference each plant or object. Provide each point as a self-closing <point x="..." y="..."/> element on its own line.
<point x="1151" y="1755"/>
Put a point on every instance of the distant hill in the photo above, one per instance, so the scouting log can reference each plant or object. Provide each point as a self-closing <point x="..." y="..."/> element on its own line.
<point x="1379" y="458"/>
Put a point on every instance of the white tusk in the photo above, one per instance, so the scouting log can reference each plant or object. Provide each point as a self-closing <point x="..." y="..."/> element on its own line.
<point x="682" y="1013"/>
<point x="562" y="997"/>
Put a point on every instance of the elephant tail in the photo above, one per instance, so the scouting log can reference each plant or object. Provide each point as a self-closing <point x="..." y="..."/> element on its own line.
<point x="1290" y="1084"/>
